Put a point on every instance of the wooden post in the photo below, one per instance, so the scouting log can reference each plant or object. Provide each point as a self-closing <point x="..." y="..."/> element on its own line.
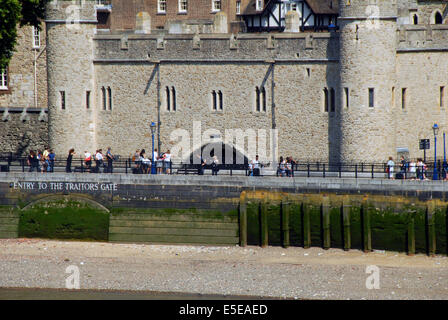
<point x="285" y="208"/>
<point x="366" y="231"/>
<point x="264" y="224"/>
<point x="411" y="234"/>
<point x="430" y="229"/>
<point x="306" y="226"/>
<point x="346" y="224"/>
<point x="243" y="223"/>
<point x="325" y="207"/>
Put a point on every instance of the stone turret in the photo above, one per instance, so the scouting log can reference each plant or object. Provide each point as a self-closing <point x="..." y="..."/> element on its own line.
<point x="70" y="29"/>
<point x="367" y="74"/>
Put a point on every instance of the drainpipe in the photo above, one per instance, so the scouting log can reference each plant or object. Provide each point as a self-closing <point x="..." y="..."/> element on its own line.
<point x="158" y="109"/>
<point x="36" y="57"/>
<point x="274" y="125"/>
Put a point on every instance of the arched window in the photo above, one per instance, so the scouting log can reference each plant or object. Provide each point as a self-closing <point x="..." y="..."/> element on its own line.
<point x="168" y="101"/>
<point x="214" y="107"/>
<point x="415" y="19"/>
<point x="325" y="99"/>
<point x="332" y="100"/>
<point x="263" y="98"/>
<point x="173" y="93"/>
<point x="436" y="17"/>
<point x="220" y="100"/>
<point x="109" y="93"/>
<point x="103" y="92"/>
<point x="257" y="99"/>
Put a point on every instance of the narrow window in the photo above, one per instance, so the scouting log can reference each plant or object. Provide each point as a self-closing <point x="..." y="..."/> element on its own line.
<point x="161" y="6"/>
<point x="257" y="99"/>
<point x="216" y="5"/>
<point x="258" y="5"/>
<point x="168" y="100"/>
<point x="183" y="6"/>
<point x="371" y="97"/>
<point x="308" y="72"/>
<point x="238" y="7"/>
<point x="214" y="100"/>
<point x="87" y="99"/>
<point x="415" y="19"/>
<point x="173" y="91"/>
<point x="36" y="38"/>
<point x="347" y="98"/>
<point x="442" y="97"/>
<point x="393" y="97"/>
<point x="325" y="99"/>
<point x="438" y="18"/>
<point x="4" y="79"/>
<point x="403" y="98"/>
<point x="263" y="98"/>
<point x="220" y="100"/>
<point x="109" y="93"/>
<point x="332" y="100"/>
<point x="103" y="92"/>
<point x="62" y="93"/>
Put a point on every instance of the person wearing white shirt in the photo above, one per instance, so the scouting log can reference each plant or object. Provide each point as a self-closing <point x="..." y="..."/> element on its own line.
<point x="167" y="161"/>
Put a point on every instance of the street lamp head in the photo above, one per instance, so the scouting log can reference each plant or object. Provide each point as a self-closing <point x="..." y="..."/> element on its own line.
<point x="435" y="129"/>
<point x="153" y="127"/>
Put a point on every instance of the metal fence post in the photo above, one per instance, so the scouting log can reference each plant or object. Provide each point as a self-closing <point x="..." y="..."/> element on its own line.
<point x="323" y="171"/>
<point x="308" y="169"/>
<point x="340" y="173"/>
<point x="356" y="171"/>
<point x="373" y="167"/>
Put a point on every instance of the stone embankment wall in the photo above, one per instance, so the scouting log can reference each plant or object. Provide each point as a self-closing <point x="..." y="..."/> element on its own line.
<point x="343" y="213"/>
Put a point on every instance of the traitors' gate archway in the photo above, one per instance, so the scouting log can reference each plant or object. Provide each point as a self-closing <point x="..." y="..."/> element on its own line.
<point x="226" y="154"/>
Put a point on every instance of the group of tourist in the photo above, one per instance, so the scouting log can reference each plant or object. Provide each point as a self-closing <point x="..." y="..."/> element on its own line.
<point x="41" y="161"/>
<point x="143" y="163"/>
<point x="286" y="167"/>
<point x="409" y="169"/>
<point x="103" y="163"/>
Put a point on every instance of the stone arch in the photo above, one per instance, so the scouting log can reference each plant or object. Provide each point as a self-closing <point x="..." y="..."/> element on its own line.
<point x="436" y="17"/>
<point x="222" y="151"/>
<point x="70" y="197"/>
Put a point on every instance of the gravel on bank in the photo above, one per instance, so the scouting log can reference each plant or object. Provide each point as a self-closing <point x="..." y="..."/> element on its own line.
<point x="294" y="272"/>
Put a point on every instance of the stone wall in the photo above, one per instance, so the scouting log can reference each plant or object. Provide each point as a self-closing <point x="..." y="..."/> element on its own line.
<point x="23" y="132"/>
<point x="21" y="93"/>
<point x="195" y="73"/>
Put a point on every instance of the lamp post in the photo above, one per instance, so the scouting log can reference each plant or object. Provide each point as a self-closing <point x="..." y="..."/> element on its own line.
<point x="153" y="165"/>
<point x="435" y="129"/>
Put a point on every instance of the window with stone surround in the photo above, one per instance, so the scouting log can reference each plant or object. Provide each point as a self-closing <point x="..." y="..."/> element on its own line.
<point x="325" y="99"/>
<point x="371" y="97"/>
<point x="442" y="97"/>
<point x="403" y="98"/>
<point x="183" y="6"/>
<point x="437" y="17"/>
<point x="103" y="93"/>
<point x="62" y="95"/>
<point x="347" y="97"/>
<point x="258" y="5"/>
<point x="4" y="79"/>
<point x="238" y="7"/>
<point x="87" y="99"/>
<point x="260" y="99"/>
<point x="36" y="38"/>
<point x="332" y="100"/>
<point x="109" y="94"/>
<point x="161" y="6"/>
<point x="216" y="5"/>
<point x="217" y="100"/>
<point x="173" y="95"/>
<point x="168" y="99"/>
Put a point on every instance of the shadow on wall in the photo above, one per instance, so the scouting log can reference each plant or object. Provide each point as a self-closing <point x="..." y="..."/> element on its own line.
<point x="333" y="98"/>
